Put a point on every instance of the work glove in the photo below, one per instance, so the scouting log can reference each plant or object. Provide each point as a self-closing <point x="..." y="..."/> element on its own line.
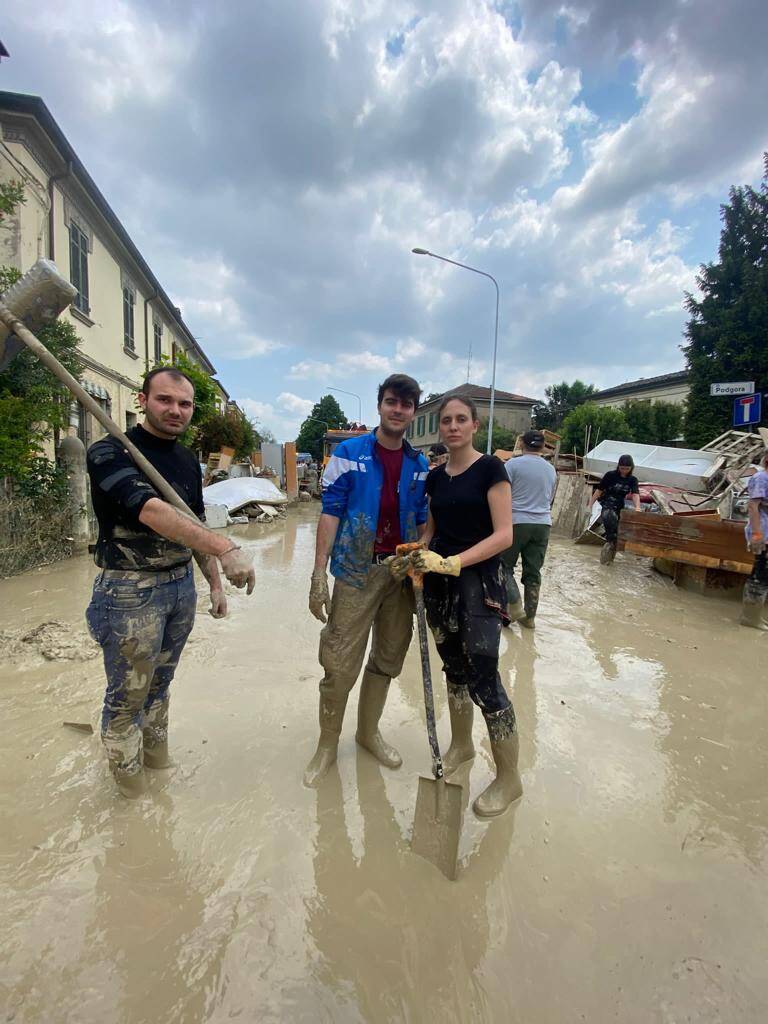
<point x="319" y="595"/>
<point x="218" y="607"/>
<point x="237" y="566"/>
<point x="430" y="561"/>
<point x="757" y="544"/>
<point x="398" y="566"/>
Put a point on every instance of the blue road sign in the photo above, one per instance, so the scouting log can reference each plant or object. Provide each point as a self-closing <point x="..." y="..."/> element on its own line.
<point x="746" y="410"/>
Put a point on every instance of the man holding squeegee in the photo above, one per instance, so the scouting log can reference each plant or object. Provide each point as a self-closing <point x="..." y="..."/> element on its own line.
<point x="143" y="605"/>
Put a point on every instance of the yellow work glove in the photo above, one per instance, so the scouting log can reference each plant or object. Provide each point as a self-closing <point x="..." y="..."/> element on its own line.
<point x="430" y="561"/>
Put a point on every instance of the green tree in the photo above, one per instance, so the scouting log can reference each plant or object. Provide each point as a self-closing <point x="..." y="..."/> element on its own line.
<point x="668" y="421"/>
<point x="728" y="329"/>
<point x="502" y="438"/>
<point x="230" y="429"/>
<point x="602" y="422"/>
<point x="326" y="414"/>
<point x="561" y="399"/>
<point x="33" y="404"/>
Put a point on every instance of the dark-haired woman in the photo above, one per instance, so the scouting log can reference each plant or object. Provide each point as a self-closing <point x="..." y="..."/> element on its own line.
<point x="469" y="525"/>
<point x="612" y="492"/>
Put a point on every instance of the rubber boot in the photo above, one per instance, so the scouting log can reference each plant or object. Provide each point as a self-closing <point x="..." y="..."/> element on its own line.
<point x="373" y="695"/>
<point x="532" y="591"/>
<point x="130" y="784"/>
<point x="505" y="747"/>
<point x="753" y="607"/>
<point x="515" y="611"/>
<point x="331" y="718"/>
<point x="462" y="712"/>
<point x="155" y="745"/>
<point x="607" y="553"/>
<point x="514" y="601"/>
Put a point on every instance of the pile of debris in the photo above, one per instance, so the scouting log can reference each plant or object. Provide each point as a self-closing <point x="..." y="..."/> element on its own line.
<point x="694" y="506"/>
<point x="253" y="497"/>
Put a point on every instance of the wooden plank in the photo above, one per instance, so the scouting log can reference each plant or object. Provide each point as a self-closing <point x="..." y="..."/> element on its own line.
<point x="736" y="566"/>
<point x="672" y="555"/>
<point x="712" y="538"/>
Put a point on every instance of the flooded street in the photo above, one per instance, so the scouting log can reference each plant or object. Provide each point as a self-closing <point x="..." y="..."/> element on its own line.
<point x="629" y="883"/>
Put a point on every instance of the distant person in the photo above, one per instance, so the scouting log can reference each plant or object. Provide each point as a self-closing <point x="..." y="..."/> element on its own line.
<point x="612" y="492"/>
<point x="143" y="604"/>
<point x="469" y="525"/>
<point x="437" y="455"/>
<point x="534" y="482"/>
<point x="373" y="500"/>
<point x="756" y="531"/>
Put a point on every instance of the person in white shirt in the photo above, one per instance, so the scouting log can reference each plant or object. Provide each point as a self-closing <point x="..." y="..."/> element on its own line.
<point x="534" y="482"/>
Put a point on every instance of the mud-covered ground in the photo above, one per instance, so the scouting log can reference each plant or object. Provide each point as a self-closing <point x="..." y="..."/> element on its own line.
<point x="629" y="884"/>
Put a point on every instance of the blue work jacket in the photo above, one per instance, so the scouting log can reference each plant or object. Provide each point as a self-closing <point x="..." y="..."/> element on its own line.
<point x="352" y="484"/>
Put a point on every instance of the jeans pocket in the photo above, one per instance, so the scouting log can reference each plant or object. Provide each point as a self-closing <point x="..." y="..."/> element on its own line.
<point x="127" y="597"/>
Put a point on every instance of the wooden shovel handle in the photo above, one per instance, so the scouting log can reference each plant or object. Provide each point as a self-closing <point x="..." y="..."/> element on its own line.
<point x="417" y="578"/>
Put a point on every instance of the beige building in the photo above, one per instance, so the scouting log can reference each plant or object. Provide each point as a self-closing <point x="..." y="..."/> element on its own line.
<point x="510" y="412"/>
<point x="124" y="318"/>
<point x="669" y="387"/>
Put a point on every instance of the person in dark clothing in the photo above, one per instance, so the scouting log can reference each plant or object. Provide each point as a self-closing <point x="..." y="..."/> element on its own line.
<point x="143" y="604"/>
<point x="612" y="492"/>
<point x="469" y="525"/>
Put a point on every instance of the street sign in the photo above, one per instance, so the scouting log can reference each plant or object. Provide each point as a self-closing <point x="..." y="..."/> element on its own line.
<point x="746" y="410"/>
<point x="739" y="387"/>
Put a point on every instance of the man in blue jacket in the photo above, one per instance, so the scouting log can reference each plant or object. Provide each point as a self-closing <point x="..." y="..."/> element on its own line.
<point x="373" y="499"/>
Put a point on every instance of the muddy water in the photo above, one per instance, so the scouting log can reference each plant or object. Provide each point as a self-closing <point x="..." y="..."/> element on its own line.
<point x="628" y="885"/>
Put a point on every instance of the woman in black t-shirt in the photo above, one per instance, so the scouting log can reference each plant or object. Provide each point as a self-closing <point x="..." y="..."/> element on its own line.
<point x="469" y="525"/>
<point x="612" y="492"/>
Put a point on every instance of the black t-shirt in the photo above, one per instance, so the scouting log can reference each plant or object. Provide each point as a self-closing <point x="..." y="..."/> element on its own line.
<point x="119" y="491"/>
<point x="615" y="489"/>
<point x="459" y="504"/>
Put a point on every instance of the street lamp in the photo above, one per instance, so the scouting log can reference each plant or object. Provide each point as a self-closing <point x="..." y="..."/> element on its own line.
<point x="352" y="393"/>
<point x="426" y="252"/>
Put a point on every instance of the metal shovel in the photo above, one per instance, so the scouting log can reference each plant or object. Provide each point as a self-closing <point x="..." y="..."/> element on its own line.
<point x="439" y="804"/>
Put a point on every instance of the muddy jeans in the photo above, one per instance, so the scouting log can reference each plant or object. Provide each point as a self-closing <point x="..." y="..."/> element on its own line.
<point x="383" y="604"/>
<point x="142" y="621"/>
<point x="530" y="544"/>
<point x="756" y="587"/>
<point x="609" y="517"/>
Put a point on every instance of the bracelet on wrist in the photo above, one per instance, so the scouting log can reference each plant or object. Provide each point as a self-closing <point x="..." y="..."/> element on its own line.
<point x="235" y="547"/>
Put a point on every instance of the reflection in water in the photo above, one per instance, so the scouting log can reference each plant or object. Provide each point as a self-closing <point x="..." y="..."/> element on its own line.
<point x="361" y="917"/>
<point x="145" y="916"/>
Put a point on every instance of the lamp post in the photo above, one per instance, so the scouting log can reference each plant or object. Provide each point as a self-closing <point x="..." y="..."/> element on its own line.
<point x="455" y="263"/>
<point x="352" y="393"/>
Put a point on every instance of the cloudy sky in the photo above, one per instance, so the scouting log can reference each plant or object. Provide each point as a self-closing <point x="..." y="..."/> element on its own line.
<point x="276" y="161"/>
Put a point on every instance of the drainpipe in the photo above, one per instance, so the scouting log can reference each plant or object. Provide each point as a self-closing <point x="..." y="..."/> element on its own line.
<point x="51" y="212"/>
<point x="147" y="301"/>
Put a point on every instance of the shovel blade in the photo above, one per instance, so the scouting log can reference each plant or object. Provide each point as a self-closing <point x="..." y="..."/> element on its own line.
<point x="437" y="824"/>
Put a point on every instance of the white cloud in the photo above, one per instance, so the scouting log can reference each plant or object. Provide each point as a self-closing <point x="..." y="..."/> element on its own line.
<point x="364" y="361"/>
<point x="310" y="369"/>
<point x="292" y="403"/>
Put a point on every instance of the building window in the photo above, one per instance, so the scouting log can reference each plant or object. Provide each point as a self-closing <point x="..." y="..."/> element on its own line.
<point x="174" y="352"/>
<point x="78" y="267"/>
<point x="129" y="302"/>
<point x="433" y="422"/>
<point x="130" y="420"/>
<point x="410" y="429"/>
<point x="157" y="331"/>
<point x="420" y="425"/>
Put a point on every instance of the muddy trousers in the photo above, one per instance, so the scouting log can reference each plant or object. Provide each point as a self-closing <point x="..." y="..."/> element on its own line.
<point x="609" y="517"/>
<point x="530" y="545"/>
<point x="142" y="621"/>
<point x="382" y="605"/>
<point x="756" y="587"/>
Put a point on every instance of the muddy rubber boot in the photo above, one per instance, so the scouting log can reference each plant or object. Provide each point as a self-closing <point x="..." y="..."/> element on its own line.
<point x="515" y="611"/>
<point x="331" y="718"/>
<point x="155" y="752"/>
<point x="130" y="784"/>
<point x="607" y="553"/>
<point x="752" y="609"/>
<point x="373" y="695"/>
<point x="462" y="712"/>
<point x="505" y="747"/>
<point x="531" y="604"/>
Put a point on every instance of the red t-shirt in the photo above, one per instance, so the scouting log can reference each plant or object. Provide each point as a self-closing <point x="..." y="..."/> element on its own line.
<point x="388" y="528"/>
